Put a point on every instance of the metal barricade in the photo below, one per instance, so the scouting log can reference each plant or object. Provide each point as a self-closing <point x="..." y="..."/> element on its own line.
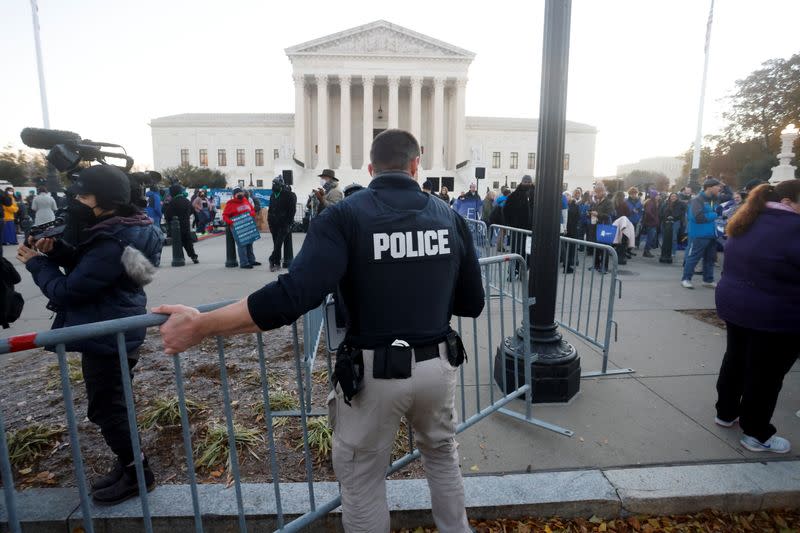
<point x="479" y="232"/>
<point x="587" y="287"/>
<point x="480" y="393"/>
<point x="585" y="298"/>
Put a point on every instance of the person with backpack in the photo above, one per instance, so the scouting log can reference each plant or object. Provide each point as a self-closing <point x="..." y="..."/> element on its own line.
<point x="115" y="256"/>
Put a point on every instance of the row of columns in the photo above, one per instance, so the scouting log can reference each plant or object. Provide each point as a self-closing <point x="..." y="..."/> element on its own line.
<point x="368" y="83"/>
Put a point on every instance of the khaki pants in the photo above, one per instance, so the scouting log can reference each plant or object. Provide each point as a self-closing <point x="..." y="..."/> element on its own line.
<point x="364" y="434"/>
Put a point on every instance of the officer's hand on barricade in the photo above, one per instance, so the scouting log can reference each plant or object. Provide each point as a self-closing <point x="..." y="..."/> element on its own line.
<point x="179" y="333"/>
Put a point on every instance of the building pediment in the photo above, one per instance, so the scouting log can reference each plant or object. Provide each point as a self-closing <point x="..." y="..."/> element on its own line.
<point x="380" y="39"/>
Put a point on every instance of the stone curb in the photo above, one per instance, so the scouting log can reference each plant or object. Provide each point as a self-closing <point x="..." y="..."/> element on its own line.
<point x="606" y="493"/>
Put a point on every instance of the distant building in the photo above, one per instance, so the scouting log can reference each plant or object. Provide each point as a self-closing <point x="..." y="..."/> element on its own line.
<point x="671" y="167"/>
<point x="348" y="88"/>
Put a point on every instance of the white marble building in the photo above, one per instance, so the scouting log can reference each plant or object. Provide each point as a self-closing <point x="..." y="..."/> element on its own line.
<point x="350" y="86"/>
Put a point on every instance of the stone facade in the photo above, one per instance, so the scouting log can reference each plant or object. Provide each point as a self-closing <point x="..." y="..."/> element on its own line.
<point x="348" y="87"/>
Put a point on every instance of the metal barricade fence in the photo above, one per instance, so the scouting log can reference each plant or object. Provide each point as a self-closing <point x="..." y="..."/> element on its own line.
<point x="588" y="284"/>
<point x="501" y="317"/>
<point x="479" y="232"/>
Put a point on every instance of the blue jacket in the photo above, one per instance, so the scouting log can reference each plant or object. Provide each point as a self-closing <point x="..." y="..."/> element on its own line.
<point x="153" y="208"/>
<point x="636" y="210"/>
<point x="701" y="216"/>
<point x="107" y="271"/>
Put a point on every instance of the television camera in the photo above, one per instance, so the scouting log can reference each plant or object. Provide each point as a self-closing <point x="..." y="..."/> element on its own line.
<point x="69" y="154"/>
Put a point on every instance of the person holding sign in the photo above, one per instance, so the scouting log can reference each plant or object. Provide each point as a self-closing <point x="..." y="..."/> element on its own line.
<point x="241" y="217"/>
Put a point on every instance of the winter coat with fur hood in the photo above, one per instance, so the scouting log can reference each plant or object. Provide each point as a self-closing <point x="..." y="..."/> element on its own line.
<point x="117" y="257"/>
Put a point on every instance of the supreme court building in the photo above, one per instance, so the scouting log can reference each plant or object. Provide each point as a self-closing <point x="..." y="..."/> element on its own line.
<point x="349" y="87"/>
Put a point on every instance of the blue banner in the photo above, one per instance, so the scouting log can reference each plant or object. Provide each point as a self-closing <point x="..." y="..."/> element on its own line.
<point x="244" y="229"/>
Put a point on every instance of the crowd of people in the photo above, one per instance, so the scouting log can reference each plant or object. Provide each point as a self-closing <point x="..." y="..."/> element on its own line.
<point x="648" y="219"/>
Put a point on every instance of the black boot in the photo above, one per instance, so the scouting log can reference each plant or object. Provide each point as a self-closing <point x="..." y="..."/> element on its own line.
<point x="109" y="478"/>
<point x="126" y="487"/>
<point x="195" y="260"/>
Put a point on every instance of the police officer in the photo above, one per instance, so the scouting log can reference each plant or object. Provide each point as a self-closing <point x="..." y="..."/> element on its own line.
<point x="403" y="264"/>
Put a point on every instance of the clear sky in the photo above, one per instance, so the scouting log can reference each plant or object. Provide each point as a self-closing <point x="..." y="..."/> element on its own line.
<point x="635" y="65"/>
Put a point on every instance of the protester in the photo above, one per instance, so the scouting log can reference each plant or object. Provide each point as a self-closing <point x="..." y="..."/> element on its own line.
<point x="622" y="210"/>
<point x="280" y="215"/>
<point x="329" y="194"/>
<point x="443" y="194"/>
<point x="636" y="209"/>
<point x="44" y="207"/>
<point x="180" y="208"/>
<point x="573" y="219"/>
<point x="10" y="209"/>
<point x="469" y="204"/>
<point x="488" y="205"/>
<point x="236" y="206"/>
<point x="601" y="211"/>
<point x="518" y="213"/>
<point x="702" y="235"/>
<point x="673" y="210"/>
<point x="759" y="299"/>
<point x="650" y="223"/>
<point x="202" y="211"/>
<point x="153" y="208"/>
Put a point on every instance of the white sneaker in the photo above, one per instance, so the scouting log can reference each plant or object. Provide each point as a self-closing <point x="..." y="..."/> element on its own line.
<point x="725" y="423"/>
<point x="710" y="284"/>
<point x="687" y="284"/>
<point x="774" y="444"/>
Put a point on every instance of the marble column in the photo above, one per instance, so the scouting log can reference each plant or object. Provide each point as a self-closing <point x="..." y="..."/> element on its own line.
<point x="394" y="82"/>
<point x="416" y="107"/>
<point x="438" y="122"/>
<point x="322" y="121"/>
<point x="345" y="133"/>
<point x="369" y="83"/>
<point x="300" y="118"/>
<point x="460" y="121"/>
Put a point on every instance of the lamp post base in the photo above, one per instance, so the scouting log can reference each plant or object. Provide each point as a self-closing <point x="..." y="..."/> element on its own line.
<point x="555" y="370"/>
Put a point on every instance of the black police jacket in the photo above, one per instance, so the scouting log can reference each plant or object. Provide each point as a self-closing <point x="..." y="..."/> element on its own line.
<point x="402" y="260"/>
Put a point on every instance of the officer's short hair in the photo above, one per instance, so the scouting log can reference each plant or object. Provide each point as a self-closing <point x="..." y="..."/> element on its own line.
<point x="393" y="150"/>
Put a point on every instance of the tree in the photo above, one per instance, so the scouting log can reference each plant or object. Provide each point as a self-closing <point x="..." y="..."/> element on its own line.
<point x="194" y="177"/>
<point x="20" y="167"/>
<point x="764" y="103"/>
<point x="643" y="179"/>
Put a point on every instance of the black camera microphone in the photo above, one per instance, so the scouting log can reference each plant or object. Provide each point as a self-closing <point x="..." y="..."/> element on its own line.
<point x="45" y="139"/>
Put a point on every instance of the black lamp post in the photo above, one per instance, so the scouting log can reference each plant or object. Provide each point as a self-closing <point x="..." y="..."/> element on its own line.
<point x="556" y="372"/>
<point x="251" y="179"/>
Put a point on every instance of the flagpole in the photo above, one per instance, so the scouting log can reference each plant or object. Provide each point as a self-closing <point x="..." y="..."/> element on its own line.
<point x="42" y="88"/>
<point x="694" y="179"/>
<point x="53" y="183"/>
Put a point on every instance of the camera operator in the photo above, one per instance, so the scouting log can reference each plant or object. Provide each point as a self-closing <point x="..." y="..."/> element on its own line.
<point x="115" y="255"/>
